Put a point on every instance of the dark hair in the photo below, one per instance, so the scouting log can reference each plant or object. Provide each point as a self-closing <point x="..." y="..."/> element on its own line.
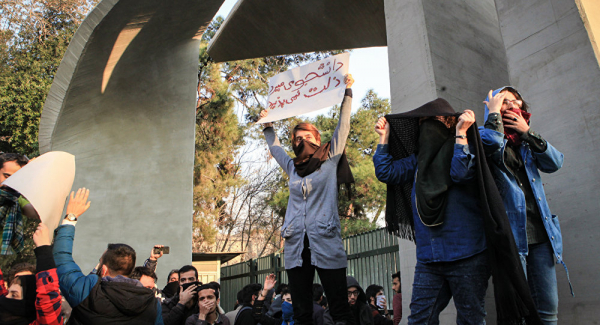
<point x="248" y="291"/>
<point x="372" y="291"/>
<point x="19" y="159"/>
<point x="239" y="297"/>
<point x="317" y="291"/>
<point x="306" y="127"/>
<point x="171" y="273"/>
<point x="142" y="270"/>
<point x="280" y="288"/>
<point x="209" y="286"/>
<point x="19" y="267"/>
<point x="396" y="275"/>
<point x="285" y="292"/>
<point x="119" y="259"/>
<point x="216" y="285"/>
<point x="187" y="268"/>
<point x="513" y="91"/>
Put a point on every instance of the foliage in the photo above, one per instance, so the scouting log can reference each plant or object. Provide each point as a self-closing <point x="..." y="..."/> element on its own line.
<point x="34" y="36"/>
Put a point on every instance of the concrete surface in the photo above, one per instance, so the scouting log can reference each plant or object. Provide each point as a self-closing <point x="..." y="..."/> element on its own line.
<point x="449" y="49"/>
<point x="552" y="62"/>
<point x="123" y="102"/>
<point x="258" y="28"/>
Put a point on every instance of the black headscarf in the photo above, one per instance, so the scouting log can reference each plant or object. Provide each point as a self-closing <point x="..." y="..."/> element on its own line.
<point x="310" y="157"/>
<point x="511" y="290"/>
<point x="20" y="312"/>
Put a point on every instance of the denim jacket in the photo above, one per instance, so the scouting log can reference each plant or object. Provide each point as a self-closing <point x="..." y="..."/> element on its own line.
<point x="461" y="235"/>
<point x="513" y="197"/>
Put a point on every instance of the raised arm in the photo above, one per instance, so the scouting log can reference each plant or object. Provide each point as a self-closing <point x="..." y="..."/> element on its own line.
<point x="277" y="150"/>
<point x="74" y="285"/>
<point x="462" y="167"/>
<point x="387" y="170"/>
<point x="48" y="298"/>
<point x="340" y="135"/>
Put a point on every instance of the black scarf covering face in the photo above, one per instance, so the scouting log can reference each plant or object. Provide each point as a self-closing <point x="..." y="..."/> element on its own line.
<point x="310" y="157"/>
<point x="436" y="148"/>
<point x="17" y="312"/>
<point x="511" y="290"/>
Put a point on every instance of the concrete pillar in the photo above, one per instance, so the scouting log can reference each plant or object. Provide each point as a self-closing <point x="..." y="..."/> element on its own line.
<point x="440" y="48"/>
<point x="123" y="102"/>
<point x="551" y="60"/>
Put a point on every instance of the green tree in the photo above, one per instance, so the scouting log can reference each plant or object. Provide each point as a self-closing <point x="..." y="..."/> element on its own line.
<point x="35" y="36"/>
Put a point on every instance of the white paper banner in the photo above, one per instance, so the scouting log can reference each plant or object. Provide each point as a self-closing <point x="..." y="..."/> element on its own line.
<point x="45" y="182"/>
<point x="307" y="89"/>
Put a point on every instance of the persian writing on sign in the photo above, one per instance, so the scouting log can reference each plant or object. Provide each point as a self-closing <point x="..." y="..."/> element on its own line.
<point x="308" y="88"/>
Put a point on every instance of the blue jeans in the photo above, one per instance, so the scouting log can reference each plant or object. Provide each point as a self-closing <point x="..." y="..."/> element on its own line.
<point x="541" y="276"/>
<point x="435" y="283"/>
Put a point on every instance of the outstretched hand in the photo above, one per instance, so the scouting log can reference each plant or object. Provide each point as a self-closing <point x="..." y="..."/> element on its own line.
<point x="269" y="282"/>
<point x="155" y="257"/>
<point x="78" y="203"/>
<point x="348" y="80"/>
<point x="264" y="114"/>
<point x="41" y="235"/>
<point x="494" y="103"/>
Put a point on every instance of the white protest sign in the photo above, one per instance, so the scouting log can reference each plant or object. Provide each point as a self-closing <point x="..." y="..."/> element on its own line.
<point x="307" y="88"/>
<point x="45" y="182"/>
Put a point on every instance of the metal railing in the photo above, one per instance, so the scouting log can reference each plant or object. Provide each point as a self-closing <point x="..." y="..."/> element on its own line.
<point x="372" y="259"/>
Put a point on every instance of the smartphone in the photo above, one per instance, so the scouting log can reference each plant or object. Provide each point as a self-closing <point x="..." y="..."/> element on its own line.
<point x="164" y="249"/>
<point x="380" y="300"/>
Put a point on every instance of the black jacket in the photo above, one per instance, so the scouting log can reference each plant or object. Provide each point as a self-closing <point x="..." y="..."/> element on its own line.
<point x="116" y="303"/>
<point x="174" y="313"/>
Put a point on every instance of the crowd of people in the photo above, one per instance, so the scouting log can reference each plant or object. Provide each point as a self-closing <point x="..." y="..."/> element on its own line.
<point x="471" y="199"/>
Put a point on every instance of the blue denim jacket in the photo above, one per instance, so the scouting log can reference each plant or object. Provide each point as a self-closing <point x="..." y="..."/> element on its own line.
<point x="461" y="235"/>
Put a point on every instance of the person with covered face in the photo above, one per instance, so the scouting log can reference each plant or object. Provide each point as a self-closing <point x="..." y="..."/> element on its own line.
<point x="312" y="228"/>
<point x="33" y="299"/>
<point x="517" y="155"/>
<point x="448" y="226"/>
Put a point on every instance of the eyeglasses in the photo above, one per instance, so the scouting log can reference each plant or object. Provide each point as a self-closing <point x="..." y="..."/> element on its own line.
<point x="515" y="102"/>
<point x="353" y="293"/>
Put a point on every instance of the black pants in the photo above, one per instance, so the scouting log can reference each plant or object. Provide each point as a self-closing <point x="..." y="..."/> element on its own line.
<point x="334" y="283"/>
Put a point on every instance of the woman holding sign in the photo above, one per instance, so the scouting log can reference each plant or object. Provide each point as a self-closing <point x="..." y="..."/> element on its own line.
<point x="312" y="227"/>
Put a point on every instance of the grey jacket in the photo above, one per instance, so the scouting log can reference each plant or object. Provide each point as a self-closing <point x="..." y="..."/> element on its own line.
<point x="313" y="206"/>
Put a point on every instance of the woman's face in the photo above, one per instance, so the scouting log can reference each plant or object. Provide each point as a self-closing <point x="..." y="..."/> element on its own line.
<point x="305" y="135"/>
<point x="15" y="292"/>
<point x="510" y="101"/>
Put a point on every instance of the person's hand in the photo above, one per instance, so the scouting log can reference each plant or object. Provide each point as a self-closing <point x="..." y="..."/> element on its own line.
<point x="264" y="114"/>
<point x="186" y="296"/>
<point x="384" y="305"/>
<point x="515" y="121"/>
<point x="269" y="282"/>
<point x="348" y="80"/>
<point x="382" y="127"/>
<point x="495" y="102"/>
<point x="465" y="120"/>
<point x="154" y="257"/>
<point x="205" y="307"/>
<point x="78" y="203"/>
<point x="41" y="235"/>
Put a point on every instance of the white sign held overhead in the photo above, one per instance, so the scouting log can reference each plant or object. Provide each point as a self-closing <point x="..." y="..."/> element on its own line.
<point x="46" y="182"/>
<point x="307" y="88"/>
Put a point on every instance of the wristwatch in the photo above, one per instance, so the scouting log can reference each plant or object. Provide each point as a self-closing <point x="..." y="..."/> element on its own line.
<point x="71" y="217"/>
<point x="462" y="136"/>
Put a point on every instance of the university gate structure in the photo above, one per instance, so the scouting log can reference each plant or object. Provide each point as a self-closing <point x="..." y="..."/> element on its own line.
<point x="123" y="102"/>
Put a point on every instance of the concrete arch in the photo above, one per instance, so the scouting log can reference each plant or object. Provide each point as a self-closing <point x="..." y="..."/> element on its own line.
<point x="123" y="102"/>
